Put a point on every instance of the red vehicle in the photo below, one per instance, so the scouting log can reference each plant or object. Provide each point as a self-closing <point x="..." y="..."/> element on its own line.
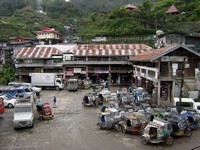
<point x="2" y="107"/>
<point x="45" y="111"/>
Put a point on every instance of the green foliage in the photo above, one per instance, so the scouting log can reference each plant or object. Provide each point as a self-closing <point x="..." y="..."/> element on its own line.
<point x="8" y="73"/>
<point x="98" y="17"/>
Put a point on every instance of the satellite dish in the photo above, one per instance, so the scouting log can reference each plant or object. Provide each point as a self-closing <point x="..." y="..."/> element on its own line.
<point x="159" y="32"/>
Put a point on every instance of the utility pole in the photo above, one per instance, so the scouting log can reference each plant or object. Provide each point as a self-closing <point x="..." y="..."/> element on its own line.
<point x="181" y="88"/>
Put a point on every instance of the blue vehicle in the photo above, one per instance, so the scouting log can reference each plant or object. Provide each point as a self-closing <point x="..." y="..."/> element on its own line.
<point x="12" y="92"/>
<point x="193" y="123"/>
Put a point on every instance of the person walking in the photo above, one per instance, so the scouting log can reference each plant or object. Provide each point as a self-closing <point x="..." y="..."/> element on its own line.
<point x="54" y="101"/>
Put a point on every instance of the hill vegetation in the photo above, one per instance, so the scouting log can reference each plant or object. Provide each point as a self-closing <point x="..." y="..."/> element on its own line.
<point x="90" y="18"/>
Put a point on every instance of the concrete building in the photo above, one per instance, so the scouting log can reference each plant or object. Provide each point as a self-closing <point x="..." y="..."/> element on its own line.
<point x="94" y="61"/>
<point x="48" y="36"/>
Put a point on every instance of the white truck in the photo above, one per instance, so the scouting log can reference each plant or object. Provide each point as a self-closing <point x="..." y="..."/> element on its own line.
<point x="23" y="114"/>
<point x="47" y="80"/>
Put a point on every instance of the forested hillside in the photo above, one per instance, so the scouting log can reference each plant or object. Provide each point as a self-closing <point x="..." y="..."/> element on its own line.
<point x="92" y="18"/>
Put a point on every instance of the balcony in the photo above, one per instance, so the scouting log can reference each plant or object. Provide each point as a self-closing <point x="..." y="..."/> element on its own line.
<point x="39" y="65"/>
<point x="95" y="62"/>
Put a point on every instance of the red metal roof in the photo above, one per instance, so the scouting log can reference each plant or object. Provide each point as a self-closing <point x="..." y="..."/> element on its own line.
<point x="157" y="53"/>
<point x="85" y="50"/>
<point x="109" y="49"/>
<point x="131" y="6"/>
<point x="149" y="55"/>
<point x="47" y="30"/>
<point x="172" y="9"/>
<point x="37" y="52"/>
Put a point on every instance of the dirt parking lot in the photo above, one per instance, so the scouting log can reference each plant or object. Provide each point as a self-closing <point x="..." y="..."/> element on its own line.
<point x="74" y="128"/>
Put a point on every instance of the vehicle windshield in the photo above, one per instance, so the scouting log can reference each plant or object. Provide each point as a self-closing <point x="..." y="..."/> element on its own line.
<point x="22" y="109"/>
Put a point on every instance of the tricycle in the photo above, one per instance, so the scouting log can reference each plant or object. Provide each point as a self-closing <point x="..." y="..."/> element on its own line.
<point x="108" y="120"/>
<point x="90" y="100"/>
<point x="45" y="111"/>
<point x="133" y="123"/>
<point x="180" y="126"/>
<point x="157" y="131"/>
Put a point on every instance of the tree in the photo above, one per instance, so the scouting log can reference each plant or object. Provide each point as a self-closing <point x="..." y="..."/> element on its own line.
<point x="8" y="73"/>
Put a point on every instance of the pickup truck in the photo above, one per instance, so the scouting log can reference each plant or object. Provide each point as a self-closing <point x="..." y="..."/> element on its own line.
<point x="23" y="115"/>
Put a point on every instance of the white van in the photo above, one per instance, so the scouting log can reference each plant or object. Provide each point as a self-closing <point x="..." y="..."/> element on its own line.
<point x="187" y="103"/>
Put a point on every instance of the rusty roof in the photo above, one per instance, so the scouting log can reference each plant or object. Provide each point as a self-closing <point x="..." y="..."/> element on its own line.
<point x="157" y="53"/>
<point x="36" y="52"/>
<point x="84" y="50"/>
<point x="109" y="49"/>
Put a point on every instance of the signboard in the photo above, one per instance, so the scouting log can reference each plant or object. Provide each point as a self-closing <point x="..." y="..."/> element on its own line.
<point x="77" y="70"/>
<point x="101" y="71"/>
<point x="174" y="66"/>
<point x="69" y="73"/>
<point x="165" y="58"/>
<point x="174" y="58"/>
<point x="67" y="57"/>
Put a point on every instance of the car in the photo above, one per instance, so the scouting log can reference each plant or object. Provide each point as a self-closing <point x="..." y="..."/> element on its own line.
<point x="10" y="103"/>
<point x="29" y="85"/>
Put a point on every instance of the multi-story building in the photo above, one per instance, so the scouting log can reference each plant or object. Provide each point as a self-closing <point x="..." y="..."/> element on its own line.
<point x="95" y="61"/>
<point x="166" y="70"/>
<point x="48" y="36"/>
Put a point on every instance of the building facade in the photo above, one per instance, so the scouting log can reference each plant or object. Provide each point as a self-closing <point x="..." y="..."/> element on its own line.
<point x="162" y="71"/>
<point x="92" y="61"/>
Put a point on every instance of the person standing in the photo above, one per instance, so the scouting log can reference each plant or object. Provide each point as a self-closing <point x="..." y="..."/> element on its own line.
<point x="54" y="101"/>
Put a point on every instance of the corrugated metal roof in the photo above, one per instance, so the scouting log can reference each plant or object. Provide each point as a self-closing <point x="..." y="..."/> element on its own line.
<point x="109" y="49"/>
<point x="84" y="50"/>
<point x="156" y="53"/>
<point x="37" y="52"/>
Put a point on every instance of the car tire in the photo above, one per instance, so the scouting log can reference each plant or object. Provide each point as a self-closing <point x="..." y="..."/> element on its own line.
<point x="57" y="88"/>
<point x="10" y="105"/>
<point x="188" y="132"/>
<point x="32" y="125"/>
<point x="117" y="127"/>
<point x="123" y="129"/>
<point x="144" y="140"/>
<point x="169" y="141"/>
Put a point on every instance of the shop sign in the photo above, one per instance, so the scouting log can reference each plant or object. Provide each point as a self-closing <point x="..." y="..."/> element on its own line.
<point x="83" y="72"/>
<point x="101" y="71"/>
<point x="77" y="70"/>
<point x="173" y="58"/>
<point x="69" y="73"/>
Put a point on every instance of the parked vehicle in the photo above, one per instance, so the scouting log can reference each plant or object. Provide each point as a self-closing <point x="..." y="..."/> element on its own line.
<point x="45" y="111"/>
<point x="29" y="85"/>
<point x="157" y="131"/>
<point x="9" y="91"/>
<point x="141" y="96"/>
<point x="35" y="89"/>
<point x="72" y="84"/>
<point x="108" y="120"/>
<point x="12" y="92"/>
<point x="133" y="123"/>
<point x="180" y="126"/>
<point x="10" y="103"/>
<point x="2" y="107"/>
<point x="23" y="114"/>
<point x="47" y="80"/>
<point x="86" y="84"/>
<point x="90" y="100"/>
<point x="187" y="103"/>
<point x="193" y="122"/>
